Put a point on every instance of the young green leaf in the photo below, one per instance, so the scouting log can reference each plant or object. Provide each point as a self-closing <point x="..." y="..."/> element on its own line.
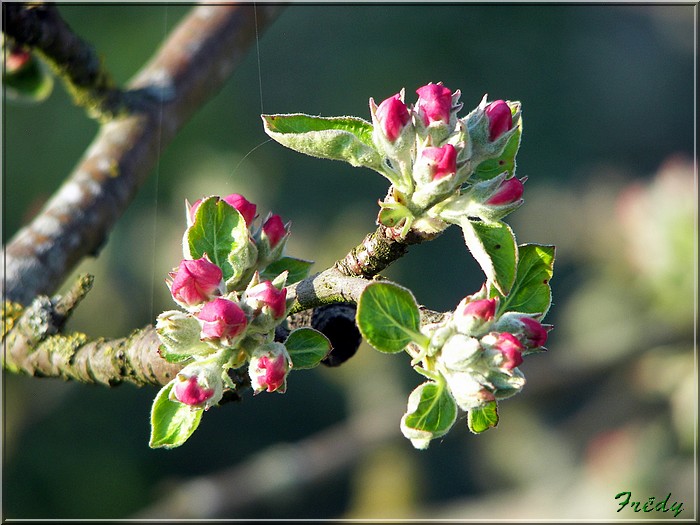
<point x="172" y="423"/>
<point x="219" y="230"/>
<point x="481" y="419"/>
<point x="493" y="246"/>
<point x="336" y="138"/>
<point x="298" y="269"/>
<point x="431" y="412"/>
<point x="388" y="317"/>
<point x="307" y="347"/>
<point x="531" y="292"/>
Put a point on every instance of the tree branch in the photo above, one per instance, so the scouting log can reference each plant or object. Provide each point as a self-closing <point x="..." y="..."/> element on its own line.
<point x="190" y="68"/>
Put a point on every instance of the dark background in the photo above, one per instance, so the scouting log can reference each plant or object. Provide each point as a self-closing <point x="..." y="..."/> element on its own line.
<point x="608" y="108"/>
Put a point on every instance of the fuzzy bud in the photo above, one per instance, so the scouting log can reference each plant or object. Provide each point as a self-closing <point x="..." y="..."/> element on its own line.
<point x="198" y="385"/>
<point x="434" y="104"/>
<point x="195" y="282"/>
<point x="500" y="119"/>
<point x="509" y="192"/>
<point x="222" y="320"/>
<point x="268" y="369"/>
<point x="392" y="116"/>
<point x="472" y="317"/>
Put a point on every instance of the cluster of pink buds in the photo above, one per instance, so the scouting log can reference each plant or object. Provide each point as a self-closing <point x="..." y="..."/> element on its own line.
<point x="227" y="322"/>
<point x="431" y="155"/>
<point x="480" y="351"/>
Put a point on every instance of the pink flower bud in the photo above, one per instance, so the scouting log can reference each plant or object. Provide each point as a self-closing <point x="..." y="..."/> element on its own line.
<point x="434" y="103"/>
<point x="472" y="316"/>
<point x="392" y="115"/>
<point x="195" y="281"/>
<point x="481" y="308"/>
<point x="265" y="294"/>
<point x="511" y="349"/>
<point x="189" y="391"/>
<point x="534" y="334"/>
<point x="222" y="319"/>
<point x="500" y="118"/>
<point x="442" y="161"/>
<point x="247" y="209"/>
<point x="274" y="230"/>
<point x="268" y="369"/>
<point x="510" y="191"/>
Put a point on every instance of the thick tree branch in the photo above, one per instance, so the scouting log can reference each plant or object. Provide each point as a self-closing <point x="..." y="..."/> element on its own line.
<point x="190" y="68"/>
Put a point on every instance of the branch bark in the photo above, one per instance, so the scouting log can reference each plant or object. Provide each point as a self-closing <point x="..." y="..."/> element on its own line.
<point x="191" y="66"/>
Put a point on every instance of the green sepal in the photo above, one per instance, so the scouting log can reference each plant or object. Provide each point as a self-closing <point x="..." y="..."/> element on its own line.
<point x="298" y="269"/>
<point x="388" y="317"/>
<point x="172" y="357"/>
<point x="393" y="213"/>
<point x="483" y="418"/>
<point x="505" y="161"/>
<point x="219" y="231"/>
<point x="32" y="83"/>
<point x="431" y="412"/>
<point x="306" y="348"/>
<point x="531" y="292"/>
<point x="336" y="138"/>
<point x="494" y="248"/>
<point x="172" y="423"/>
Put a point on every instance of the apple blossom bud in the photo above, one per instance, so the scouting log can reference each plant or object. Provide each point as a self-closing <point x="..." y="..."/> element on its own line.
<point x="534" y="333"/>
<point x="195" y="282"/>
<point x="500" y="118"/>
<point x="246" y="208"/>
<point x="266" y="296"/>
<point x="392" y="115"/>
<point x="511" y="349"/>
<point x="274" y="230"/>
<point x="198" y="385"/>
<point x="471" y="317"/>
<point x="222" y="320"/>
<point x="268" y="368"/>
<point x="442" y="162"/>
<point x="434" y="103"/>
<point x="509" y="192"/>
<point x="190" y="392"/>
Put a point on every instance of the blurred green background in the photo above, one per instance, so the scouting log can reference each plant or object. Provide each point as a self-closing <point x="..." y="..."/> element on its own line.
<point x="608" y="98"/>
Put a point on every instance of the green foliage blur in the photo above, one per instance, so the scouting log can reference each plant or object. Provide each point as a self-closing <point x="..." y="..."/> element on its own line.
<point x="607" y="94"/>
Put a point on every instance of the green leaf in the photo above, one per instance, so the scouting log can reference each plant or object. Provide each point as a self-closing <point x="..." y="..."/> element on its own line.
<point x="430" y="414"/>
<point x="336" y="138"/>
<point x="298" y="269"/>
<point x="219" y="230"/>
<point x="306" y="348"/>
<point x="481" y="419"/>
<point x="388" y="317"/>
<point x="531" y="292"/>
<point x="490" y="168"/>
<point x="32" y="83"/>
<point x="172" y="423"/>
<point x="493" y="246"/>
